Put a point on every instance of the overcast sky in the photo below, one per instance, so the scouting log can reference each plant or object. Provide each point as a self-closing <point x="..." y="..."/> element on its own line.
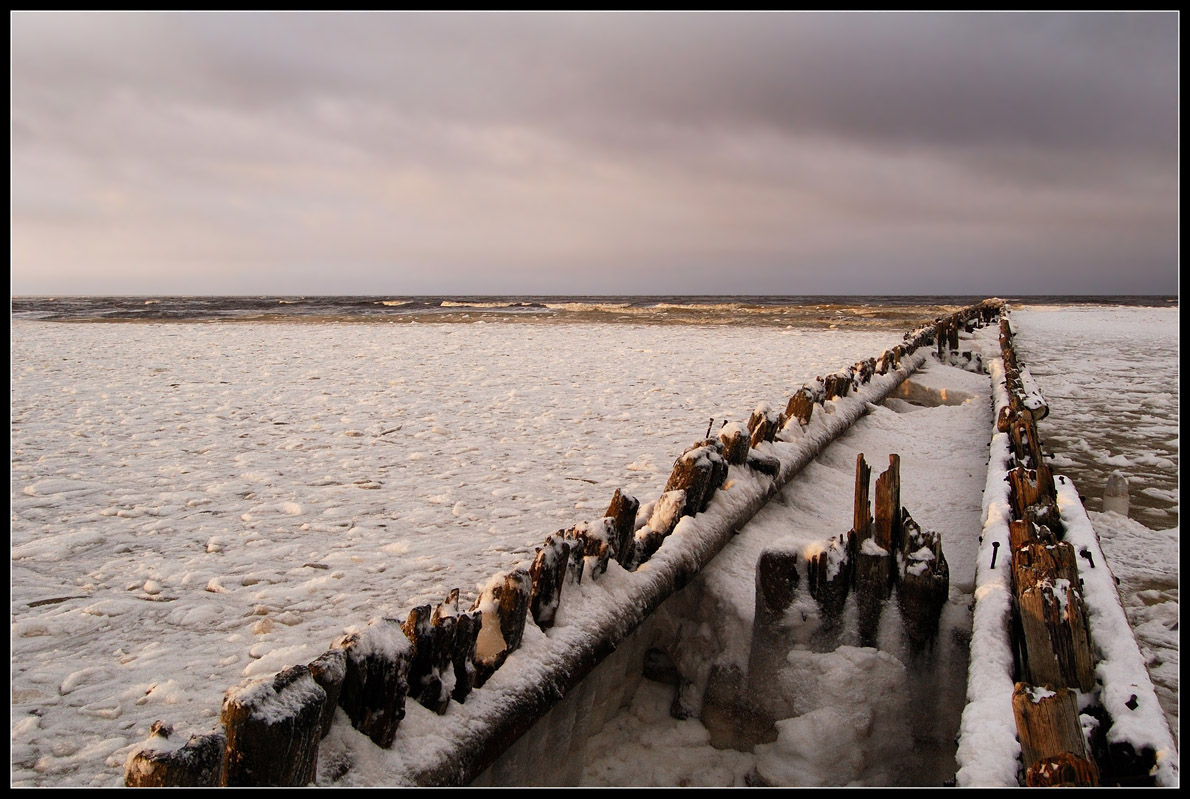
<point x="594" y="153"/>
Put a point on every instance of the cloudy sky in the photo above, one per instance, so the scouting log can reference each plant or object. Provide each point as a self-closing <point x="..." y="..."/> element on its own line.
<point x="594" y="153"/>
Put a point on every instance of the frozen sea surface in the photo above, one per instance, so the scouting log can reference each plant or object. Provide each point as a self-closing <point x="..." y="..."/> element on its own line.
<point x="193" y="504"/>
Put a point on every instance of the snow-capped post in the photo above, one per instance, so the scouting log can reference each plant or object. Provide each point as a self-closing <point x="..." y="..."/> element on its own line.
<point x="504" y="604"/>
<point x="838" y="384"/>
<point x="548" y="574"/>
<point x="1053" y="623"/>
<point x="328" y="670"/>
<point x="884" y="362"/>
<point x="923" y="583"/>
<point x="622" y="512"/>
<point x="273" y="728"/>
<point x="596" y="541"/>
<point x="1048" y="725"/>
<point x="862" y="372"/>
<point x="667" y="512"/>
<point x="699" y="471"/>
<point x="763" y="424"/>
<point x="425" y="664"/>
<point x="576" y="563"/>
<point x="830" y="576"/>
<point x="376" y="680"/>
<point x="443" y="628"/>
<point x="736" y="439"/>
<point x="160" y="762"/>
<point x="462" y="653"/>
<point x="801" y="405"/>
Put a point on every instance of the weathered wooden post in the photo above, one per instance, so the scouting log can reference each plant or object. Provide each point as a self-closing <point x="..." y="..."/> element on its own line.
<point x="801" y="406"/>
<point x="888" y="533"/>
<point x="273" y="728"/>
<point x="776" y="583"/>
<point x="376" y="680"/>
<point x="736" y="440"/>
<point x="923" y="584"/>
<point x="596" y="541"/>
<point x="1047" y="726"/>
<point x="425" y="664"/>
<point x="729" y="715"/>
<point x="763" y="424"/>
<point x="548" y="574"/>
<point x="1062" y="770"/>
<point x="504" y="604"/>
<point x="160" y="762"/>
<point x="622" y="512"/>
<point x="1053" y="623"/>
<point x="462" y="653"/>
<point x="873" y="563"/>
<point x="699" y="471"/>
<point x="328" y="670"/>
<point x="1033" y="497"/>
<point x="838" y="384"/>
<point x="829" y="576"/>
<point x="667" y="512"/>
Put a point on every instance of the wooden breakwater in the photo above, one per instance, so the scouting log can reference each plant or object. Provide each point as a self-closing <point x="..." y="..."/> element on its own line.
<point x="492" y="670"/>
<point x="1057" y="692"/>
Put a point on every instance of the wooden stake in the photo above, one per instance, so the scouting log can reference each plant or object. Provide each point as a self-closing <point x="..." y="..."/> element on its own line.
<point x="801" y="406"/>
<point x="425" y="675"/>
<point x="888" y="533"/>
<point x="693" y="472"/>
<point x="830" y="577"/>
<point x="1056" y="640"/>
<point x="776" y="582"/>
<point x="376" y="680"/>
<point x="1047" y="724"/>
<point x="504" y="604"/>
<point x="273" y="728"/>
<point x="328" y="670"/>
<point x="861" y="518"/>
<point x="622" y="512"/>
<point x="923" y="584"/>
<point x="548" y="574"/>
<point x="158" y="763"/>
<point x="462" y="654"/>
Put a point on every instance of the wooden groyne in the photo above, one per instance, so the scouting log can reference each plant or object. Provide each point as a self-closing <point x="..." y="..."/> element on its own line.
<point x="490" y="671"/>
<point x="1057" y="693"/>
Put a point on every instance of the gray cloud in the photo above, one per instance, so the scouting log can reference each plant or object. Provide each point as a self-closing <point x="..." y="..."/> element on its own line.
<point x="509" y="152"/>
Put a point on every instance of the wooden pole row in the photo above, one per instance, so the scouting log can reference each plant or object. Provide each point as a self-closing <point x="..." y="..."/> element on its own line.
<point x="438" y="654"/>
<point x="1053" y="643"/>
